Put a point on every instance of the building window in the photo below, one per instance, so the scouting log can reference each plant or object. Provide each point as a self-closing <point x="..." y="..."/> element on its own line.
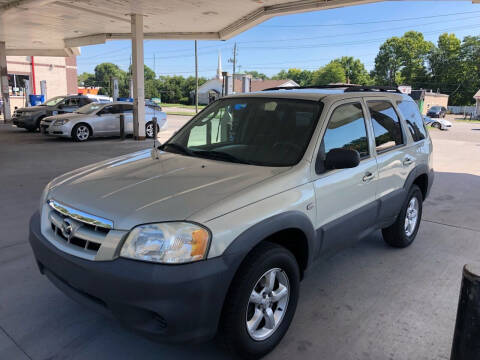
<point x="16" y="84"/>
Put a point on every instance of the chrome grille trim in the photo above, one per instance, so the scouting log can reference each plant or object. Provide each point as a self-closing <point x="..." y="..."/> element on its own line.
<point x="81" y="233"/>
<point x="80" y="215"/>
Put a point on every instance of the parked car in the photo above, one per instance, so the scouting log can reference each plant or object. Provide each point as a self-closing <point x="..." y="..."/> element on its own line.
<point x="437" y="112"/>
<point x="215" y="233"/>
<point x="439" y="123"/>
<point x="99" y="119"/>
<point x="30" y="117"/>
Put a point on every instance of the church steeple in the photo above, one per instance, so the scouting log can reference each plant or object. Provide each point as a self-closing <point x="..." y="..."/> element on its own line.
<point x="219" y="66"/>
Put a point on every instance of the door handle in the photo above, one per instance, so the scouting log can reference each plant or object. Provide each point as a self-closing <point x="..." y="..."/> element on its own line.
<point x="368" y="176"/>
<point x="407" y="161"/>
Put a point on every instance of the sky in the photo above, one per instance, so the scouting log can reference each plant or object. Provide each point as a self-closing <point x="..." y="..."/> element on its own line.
<point x="306" y="41"/>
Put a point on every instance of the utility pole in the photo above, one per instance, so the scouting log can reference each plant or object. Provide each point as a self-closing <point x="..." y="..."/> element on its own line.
<point x="196" y="77"/>
<point x="234" y="62"/>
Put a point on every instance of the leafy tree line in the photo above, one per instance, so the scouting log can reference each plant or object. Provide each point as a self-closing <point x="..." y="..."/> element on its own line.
<point x="171" y="89"/>
<point x="452" y="66"/>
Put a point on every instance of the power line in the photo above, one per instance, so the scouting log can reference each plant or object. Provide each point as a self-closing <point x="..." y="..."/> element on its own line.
<point x="371" y="22"/>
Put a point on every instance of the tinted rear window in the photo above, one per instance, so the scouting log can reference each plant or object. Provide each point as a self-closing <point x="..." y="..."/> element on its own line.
<point x="414" y="120"/>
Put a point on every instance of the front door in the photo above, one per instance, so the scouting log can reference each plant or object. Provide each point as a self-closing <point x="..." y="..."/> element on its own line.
<point x="104" y="123"/>
<point x="345" y="198"/>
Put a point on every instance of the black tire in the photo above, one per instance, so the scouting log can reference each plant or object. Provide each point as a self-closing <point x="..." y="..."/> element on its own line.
<point x="147" y="130"/>
<point x="436" y="125"/>
<point x="397" y="235"/>
<point x="37" y="123"/>
<point x="85" y="130"/>
<point x="233" y="328"/>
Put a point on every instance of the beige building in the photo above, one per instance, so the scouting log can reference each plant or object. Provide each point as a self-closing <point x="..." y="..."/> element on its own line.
<point x="59" y="73"/>
<point x="433" y="99"/>
<point x="477" y="103"/>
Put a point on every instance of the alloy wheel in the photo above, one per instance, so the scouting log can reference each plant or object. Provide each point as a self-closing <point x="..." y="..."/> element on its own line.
<point x="411" y="217"/>
<point x="83" y="132"/>
<point x="267" y="304"/>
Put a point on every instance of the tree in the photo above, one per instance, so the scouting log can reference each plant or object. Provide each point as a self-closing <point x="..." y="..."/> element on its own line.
<point x="355" y="71"/>
<point x="446" y="70"/>
<point x="470" y="55"/>
<point x="330" y="73"/>
<point x="86" y="79"/>
<point x="257" y="75"/>
<point x="103" y="74"/>
<point x="301" y="77"/>
<point x="402" y="60"/>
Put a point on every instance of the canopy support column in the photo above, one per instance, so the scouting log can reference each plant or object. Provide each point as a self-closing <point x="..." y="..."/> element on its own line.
<point x="138" y="77"/>
<point x="4" y="83"/>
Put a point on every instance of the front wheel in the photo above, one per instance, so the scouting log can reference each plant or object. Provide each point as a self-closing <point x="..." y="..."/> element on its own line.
<point x="81" y="132"/>
<point x="404" y="230"/>
<point x="261" y="302"/>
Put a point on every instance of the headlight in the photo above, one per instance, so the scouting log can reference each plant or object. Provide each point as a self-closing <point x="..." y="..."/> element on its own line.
<point x="61" y="122"/>
<point x="170" y="243"/>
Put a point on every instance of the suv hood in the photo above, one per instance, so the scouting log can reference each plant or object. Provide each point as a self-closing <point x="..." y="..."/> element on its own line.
<point x="136" y="189"/>
<point x="33" y="108"/>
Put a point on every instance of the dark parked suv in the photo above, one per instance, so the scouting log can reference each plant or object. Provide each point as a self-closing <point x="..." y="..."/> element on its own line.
<point x="29" y="117"/>
<point x="437" y="112"/>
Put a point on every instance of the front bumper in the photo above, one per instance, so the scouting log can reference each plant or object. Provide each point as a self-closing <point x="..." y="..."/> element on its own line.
<point x="23" y="122"/>
<point x="172" y="303"/>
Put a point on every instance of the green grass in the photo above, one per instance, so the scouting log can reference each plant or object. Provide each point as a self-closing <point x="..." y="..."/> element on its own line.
<point x="200" y="107"/>
<point x="182" y="113"/>
<point x="468" y="121"/>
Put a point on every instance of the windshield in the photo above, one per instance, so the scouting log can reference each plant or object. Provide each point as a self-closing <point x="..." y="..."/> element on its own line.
<point x="435" y="108"/>
<point x="53" y="101"/>
<point x="257" y="131"/>
<point x="90" y="108"/>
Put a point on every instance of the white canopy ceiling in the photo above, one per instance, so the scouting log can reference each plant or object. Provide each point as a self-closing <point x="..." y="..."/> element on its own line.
<point x="56" y="27"/>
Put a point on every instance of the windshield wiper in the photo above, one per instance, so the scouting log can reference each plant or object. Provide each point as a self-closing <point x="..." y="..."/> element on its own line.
<point x="177" y="147"/>
<point x="219" y="155"/>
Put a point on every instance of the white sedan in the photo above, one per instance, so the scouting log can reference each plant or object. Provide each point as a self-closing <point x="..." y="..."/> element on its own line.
<point x="97" y="119"/>
<point x="438" y="123"/>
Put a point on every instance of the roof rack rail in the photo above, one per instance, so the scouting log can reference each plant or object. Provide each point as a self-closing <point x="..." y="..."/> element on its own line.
<point x="348" y="88"/>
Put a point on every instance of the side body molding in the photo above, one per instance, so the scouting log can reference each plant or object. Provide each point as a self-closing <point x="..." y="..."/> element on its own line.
<point x="251" y="237"/>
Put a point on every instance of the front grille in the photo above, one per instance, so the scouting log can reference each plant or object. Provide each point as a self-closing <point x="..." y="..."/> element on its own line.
<point x="78" y="231"/>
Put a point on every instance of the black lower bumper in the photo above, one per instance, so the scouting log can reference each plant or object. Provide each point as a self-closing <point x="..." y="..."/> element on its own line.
<point x="172" y="303"/>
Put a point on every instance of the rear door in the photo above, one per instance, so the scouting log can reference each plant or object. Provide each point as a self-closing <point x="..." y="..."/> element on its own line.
<point x="127" y="110"/>
<point x="345" y="198"/>
<point x="393" y="157"/>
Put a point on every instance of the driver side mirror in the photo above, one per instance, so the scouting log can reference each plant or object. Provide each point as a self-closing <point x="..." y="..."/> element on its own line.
<point x="342" y="159"/>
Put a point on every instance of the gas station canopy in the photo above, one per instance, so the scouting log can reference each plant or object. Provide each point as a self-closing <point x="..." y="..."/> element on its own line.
<point x="56" y="27"/>
<point x="60" y="27"/>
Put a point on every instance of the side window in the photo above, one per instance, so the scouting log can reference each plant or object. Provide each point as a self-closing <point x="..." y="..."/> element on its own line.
<point x="106" y="110"/>
<point x="127" y="109"/>
<point x="117" y="109"/>
<point x="386" y="125"/>
<point x="413" y="119"/>
<point x="72" y="102"/>
<point x="346" y="129"/>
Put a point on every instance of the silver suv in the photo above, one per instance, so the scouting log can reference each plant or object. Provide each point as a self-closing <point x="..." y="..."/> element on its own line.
<point x="212" y="232"/>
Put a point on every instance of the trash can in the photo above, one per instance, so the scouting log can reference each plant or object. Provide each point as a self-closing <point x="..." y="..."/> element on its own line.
<point x="36" y="99"/>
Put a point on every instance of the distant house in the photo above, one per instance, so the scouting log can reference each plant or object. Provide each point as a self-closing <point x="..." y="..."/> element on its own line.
<point x="426" y="99"/>
<point x="212" y="89"/>
<point x="477" y="107"/>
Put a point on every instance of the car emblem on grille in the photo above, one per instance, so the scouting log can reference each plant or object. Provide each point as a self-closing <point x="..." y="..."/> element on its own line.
<point x="68" y="228"/>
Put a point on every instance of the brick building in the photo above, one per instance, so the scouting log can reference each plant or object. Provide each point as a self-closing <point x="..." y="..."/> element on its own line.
<point x="60" y="74"/>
